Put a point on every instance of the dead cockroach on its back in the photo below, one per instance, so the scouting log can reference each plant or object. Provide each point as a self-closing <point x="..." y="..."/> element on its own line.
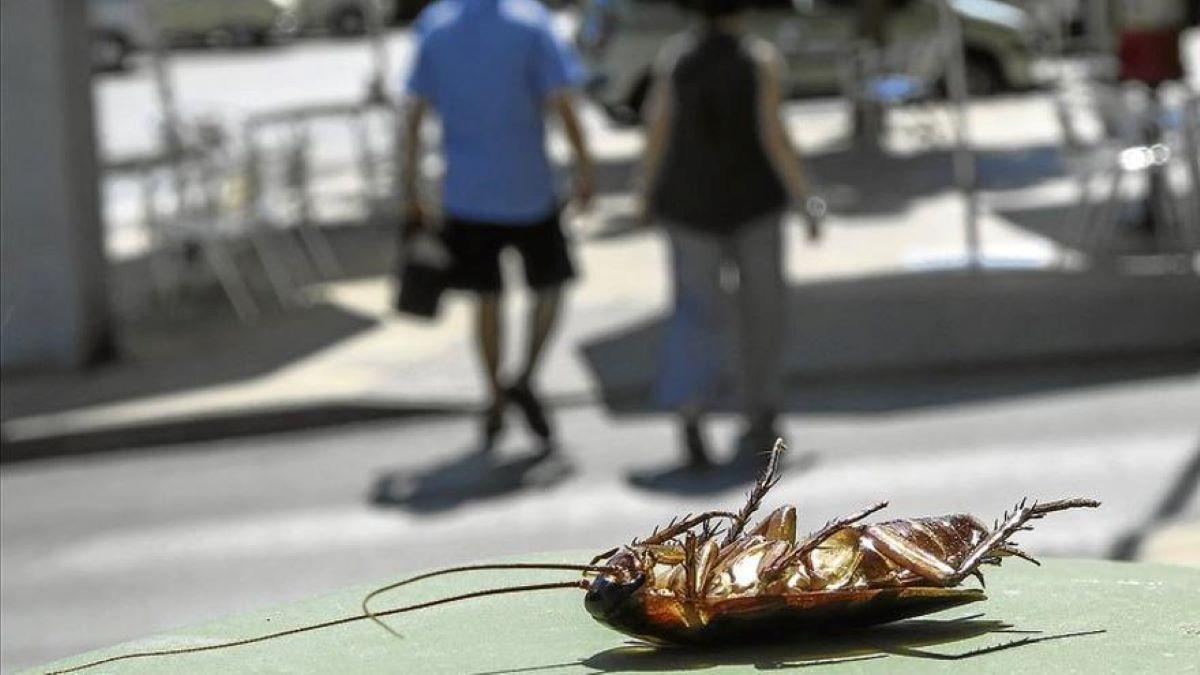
<point x="714" y="578"/>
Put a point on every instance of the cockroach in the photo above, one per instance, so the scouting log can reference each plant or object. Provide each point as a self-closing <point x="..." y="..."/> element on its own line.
<point x="711" y="578"/>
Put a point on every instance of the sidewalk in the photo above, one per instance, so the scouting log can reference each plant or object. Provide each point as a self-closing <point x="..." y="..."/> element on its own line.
<point x="873" y="299"/>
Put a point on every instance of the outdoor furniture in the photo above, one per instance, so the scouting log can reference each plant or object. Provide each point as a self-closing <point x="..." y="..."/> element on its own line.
<point x="900" y="78"/>
<point x="184" y="211"/>
<point x="284" y="166"/>
<point x="1141" y="140"/>
<point x="1077" y="616"/>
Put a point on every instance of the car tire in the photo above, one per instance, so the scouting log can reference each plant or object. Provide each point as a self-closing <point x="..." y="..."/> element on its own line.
<point x="110" y="52"/>
<point x="259" y="37"/>
<point x="984" y="76"/>
<point x="348" y="22"/>
<point x="223" y="37"/>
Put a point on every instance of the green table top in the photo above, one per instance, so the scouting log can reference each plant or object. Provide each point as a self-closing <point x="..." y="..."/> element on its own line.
<point x="1109" y="617"/>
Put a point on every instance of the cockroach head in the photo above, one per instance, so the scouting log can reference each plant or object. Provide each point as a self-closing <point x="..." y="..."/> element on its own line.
<point x="608" y="596"/>
<point x="610" y="592"/>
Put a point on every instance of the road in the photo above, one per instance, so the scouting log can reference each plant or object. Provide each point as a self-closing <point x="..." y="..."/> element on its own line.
<point x="102" y="549"/>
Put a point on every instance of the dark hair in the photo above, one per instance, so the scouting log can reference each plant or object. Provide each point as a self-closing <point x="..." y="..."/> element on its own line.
<point x="714" y="9"/>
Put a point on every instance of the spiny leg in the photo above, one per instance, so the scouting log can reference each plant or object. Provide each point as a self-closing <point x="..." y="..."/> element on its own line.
<point x="929" y="567"/>
<point x="997" y="542"/>
<point x="819" y="538"/>
<point x="678" y="527"/>
<point x="766" y="481"/>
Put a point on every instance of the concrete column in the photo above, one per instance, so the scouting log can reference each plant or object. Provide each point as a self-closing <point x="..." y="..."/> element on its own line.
<point x="53" y="300"/>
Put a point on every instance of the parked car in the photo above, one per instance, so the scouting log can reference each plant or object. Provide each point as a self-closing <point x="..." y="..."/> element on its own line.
<point x="118" y="28"/>
<point x="121" y="26"/>
<point x="339" y="17"/>
<point x="619" y="40"/>
<point x="221" y="23"/>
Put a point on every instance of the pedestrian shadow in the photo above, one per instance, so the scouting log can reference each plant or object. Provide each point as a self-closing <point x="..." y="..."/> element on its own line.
<point x="909" y="341"/>
<point x="470" y="476"/>
<point x="687" y="481"/>
<point x="906" y="639"/>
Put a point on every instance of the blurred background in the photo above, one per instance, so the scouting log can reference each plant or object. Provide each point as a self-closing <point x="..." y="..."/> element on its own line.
<point x="209" y="404"/>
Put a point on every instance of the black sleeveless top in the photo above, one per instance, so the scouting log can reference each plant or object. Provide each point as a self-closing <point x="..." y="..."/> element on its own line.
<point x="715" y="174"/>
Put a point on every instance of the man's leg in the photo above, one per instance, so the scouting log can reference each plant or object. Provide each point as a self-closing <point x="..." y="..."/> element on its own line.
<point x="489" y="336"/>
<point x="548" y="267"/>
<point x="543" y="319"/>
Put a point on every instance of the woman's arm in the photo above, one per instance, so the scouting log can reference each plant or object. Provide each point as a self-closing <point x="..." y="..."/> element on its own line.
<point x="658" y="129"/>
<point x="778" y="144"/>
<point x="774" y="136"/>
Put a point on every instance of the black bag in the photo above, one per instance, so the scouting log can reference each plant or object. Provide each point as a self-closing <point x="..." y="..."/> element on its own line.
<point x="424" y="272"/>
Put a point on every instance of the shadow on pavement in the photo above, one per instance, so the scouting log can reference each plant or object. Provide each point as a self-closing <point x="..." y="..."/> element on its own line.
<point x="1058" y="224"/>
<point x="688" y="481"/>
<point x="905" y="639"/>
<point x="889" y="343"/>
<point x="895" y="180"/>
<point x="164" y="356"/>
<point x="1176" y="499"/>
<point x="471" y="476"/>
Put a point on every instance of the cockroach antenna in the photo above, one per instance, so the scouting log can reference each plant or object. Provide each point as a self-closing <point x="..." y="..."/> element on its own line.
<point x="581" y="583"/>
<point x="375" y="616"/>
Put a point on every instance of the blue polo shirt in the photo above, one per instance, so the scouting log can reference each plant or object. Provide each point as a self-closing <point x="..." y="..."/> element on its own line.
<point x="487" y="67"/>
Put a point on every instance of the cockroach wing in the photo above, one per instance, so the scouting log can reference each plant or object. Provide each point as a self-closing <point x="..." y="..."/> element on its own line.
<point x="771" y="617"/>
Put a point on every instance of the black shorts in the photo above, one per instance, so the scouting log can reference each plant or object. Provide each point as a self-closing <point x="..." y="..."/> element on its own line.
<point x="475" y="247"/>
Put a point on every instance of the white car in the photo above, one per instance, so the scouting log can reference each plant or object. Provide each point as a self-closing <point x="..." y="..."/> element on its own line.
<point x="619" y="40"/>
<point x="339" y="17"/>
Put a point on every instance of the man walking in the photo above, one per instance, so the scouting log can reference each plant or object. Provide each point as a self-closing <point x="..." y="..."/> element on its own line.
<point x="492" y="70"/>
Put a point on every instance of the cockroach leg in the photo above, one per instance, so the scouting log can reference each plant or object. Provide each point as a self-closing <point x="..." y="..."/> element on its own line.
<point x="817" y="539"/>
<point x="1012" y="524"/>
<point x="677" y="528"/>
<point x="766" y="481"/>
<point x="606" y="555"/>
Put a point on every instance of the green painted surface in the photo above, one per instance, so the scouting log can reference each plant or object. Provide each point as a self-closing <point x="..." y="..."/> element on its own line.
<point x="1149" y="615"/>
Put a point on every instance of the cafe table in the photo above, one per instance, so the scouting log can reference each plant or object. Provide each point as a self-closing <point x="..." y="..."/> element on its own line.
<point x="1067" y="616"/>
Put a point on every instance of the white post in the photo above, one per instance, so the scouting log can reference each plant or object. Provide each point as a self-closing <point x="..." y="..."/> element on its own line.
<point x="54" y="310"/>
<point x="964" y="161"/>
<point x="377" y="87"/>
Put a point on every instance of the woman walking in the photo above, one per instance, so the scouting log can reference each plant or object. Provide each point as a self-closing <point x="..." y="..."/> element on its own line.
<point x="720" y="172"/>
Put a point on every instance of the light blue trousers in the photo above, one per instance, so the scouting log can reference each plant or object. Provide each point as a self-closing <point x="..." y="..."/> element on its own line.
<point x="694" y="348"/>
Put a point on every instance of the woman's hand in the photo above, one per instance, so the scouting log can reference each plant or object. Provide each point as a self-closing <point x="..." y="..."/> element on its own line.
<point x="813" y="212"/>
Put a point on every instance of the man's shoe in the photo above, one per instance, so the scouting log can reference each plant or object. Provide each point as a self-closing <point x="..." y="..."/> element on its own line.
<point x="493" y="426"/>
<point x="755" y="443"/>
<point x="535" y="416"/>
